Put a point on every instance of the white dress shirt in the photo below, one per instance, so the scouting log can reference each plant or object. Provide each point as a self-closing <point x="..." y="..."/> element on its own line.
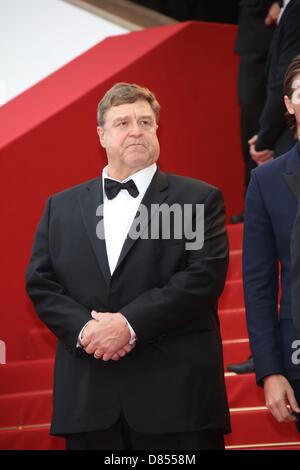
<point x="119" y="212"/>
<point x="284" y="5"/>
<point x="118" y="215"/>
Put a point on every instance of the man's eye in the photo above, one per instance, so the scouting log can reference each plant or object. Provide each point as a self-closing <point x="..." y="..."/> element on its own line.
<point x="122" y="124"/>
<point x="145" y="123"/>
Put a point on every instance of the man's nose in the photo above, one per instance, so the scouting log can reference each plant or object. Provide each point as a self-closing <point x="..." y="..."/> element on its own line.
<point x="135" y="128"/>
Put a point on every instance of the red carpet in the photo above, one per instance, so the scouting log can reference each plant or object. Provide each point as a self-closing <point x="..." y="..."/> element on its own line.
<point x="26" y="386"/>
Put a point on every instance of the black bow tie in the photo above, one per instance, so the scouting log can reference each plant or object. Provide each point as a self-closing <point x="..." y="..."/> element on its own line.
<point x="112" y="188"/>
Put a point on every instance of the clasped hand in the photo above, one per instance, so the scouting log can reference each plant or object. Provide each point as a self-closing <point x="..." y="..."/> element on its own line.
<point x="259" y="156"/>
<point x="107" y="336"/>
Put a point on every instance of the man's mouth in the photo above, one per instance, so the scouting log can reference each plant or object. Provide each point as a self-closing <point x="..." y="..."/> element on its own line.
<point x="137" y="145"/>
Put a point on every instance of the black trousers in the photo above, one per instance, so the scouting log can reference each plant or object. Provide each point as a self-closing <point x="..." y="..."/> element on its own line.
<point x="121" y="437"/>
<point x="252" y="96"/>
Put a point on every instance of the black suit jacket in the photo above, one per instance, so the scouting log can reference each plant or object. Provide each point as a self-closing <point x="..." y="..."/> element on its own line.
<point x="253" y="35"/>
<point x="173" y="380"/>
<point x="273" y="133"/>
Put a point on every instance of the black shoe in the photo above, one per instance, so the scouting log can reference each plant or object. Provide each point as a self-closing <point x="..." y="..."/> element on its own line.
<point x="243" y="367"/>
<point x="237" y="219"/>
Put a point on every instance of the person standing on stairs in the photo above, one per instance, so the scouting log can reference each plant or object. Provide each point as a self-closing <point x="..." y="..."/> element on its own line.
<point x="271" y="239"/>
<point x="139" y="363"/>
<point x="257" y="22"/>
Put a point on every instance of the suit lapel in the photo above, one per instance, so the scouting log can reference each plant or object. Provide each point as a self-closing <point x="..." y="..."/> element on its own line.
<point x="295" y="272"/>
<point x="292" y="178"/>
<point x="90" y="199"/>
<point x="293" y="181"/>
<point x="155" y="194"/>
<point x="292" y="174"/>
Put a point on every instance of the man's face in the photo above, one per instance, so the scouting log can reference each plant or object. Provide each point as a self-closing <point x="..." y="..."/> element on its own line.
<point x="129" y="136"/>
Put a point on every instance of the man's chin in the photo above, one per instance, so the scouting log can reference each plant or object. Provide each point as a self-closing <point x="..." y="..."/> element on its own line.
<point x="137" y="158"/>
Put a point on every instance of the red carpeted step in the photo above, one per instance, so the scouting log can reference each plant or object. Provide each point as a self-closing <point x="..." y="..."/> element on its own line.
<point x="18" y="409"/>
<point x="235" y="351"/>
<point x="251" y="429"/>
<point x="234" y="272"/>
<point x="257" y="426"/>
<point x="233" y="296"/>
<point x="26" y="376"/>
<point x="233" y="324"/>
<point x="30" y="438"/>
<point x="242" y="391"/>
<point x="284" y="446"/>
<point x="235" y="235"/>
<point x="37" y="438"/>
<point x="41" y="343"/>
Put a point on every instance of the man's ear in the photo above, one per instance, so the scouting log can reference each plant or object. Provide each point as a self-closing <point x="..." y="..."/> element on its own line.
<point x="100" y="132"/>
<point x="289" y="105"/>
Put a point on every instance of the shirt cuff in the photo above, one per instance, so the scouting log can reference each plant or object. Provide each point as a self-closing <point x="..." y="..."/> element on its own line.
<point x="132" y="333"/>
<point x="78" y="344"/>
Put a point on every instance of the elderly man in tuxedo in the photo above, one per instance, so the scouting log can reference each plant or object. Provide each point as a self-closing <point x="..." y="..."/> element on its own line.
<point x="272" y="247"/>
<point x="139" y="357"/>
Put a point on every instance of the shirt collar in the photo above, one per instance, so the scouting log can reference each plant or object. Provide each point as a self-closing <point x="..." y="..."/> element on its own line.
<point x="284" y="5"/>
<point x="142" y="178"/>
